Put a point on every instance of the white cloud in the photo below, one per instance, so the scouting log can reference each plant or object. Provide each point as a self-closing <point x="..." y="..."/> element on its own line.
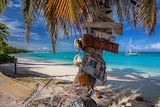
<point x="3" y="18"/>
<point x="149" y="47"/>
<point x="155" y="46"/>
<point x="15" y="4"/>
<point x="45" y="48"/>
<point x="30" y="46"/>
<point x="16" y="29"/>
<point x="35" y="36"/>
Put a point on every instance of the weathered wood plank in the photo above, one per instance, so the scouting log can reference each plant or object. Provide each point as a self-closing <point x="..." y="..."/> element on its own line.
<point x="118" y="31"/>
<point x="109" y="31"/>
<point x="105" y="17"/>
<point x="106" y="10"/>
<point x="97" y="43"/>
<point x="90" y="18"/>
<point x="100" y="34"/>
<point x="102" y="25"/>
<point x="102" y="7"/>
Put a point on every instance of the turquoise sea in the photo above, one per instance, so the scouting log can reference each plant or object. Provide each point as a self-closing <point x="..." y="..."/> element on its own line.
<point x="147" y="62"/>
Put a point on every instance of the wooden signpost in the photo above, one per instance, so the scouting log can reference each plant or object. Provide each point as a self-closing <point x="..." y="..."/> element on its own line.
<point x="102" y="25"/>
<point x="100" y="43"/>
<point x="99" y="31"/>
<point x="100" y="34"/>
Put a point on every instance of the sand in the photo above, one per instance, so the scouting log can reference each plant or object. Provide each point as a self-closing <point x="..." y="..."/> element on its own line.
<point x="138" y="83"/>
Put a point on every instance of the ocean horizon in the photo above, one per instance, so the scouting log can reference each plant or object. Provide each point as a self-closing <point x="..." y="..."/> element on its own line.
<point x="146" y="62"/>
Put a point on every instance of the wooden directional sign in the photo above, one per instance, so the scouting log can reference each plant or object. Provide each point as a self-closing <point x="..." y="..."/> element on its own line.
<point x="97" y="43"/>
<point x="106" y="15"/>
<point x="100" y="34"/>
<point x="102" y="25"/>
<point x="118" y="31"/>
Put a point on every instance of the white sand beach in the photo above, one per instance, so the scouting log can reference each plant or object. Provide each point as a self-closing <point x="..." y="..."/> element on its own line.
<point x="121" y="80"/>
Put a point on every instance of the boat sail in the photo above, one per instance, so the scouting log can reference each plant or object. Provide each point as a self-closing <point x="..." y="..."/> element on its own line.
<point x="129" y="51"/>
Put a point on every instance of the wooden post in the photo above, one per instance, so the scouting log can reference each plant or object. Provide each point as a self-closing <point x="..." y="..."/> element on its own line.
<point x="15" y="66"/>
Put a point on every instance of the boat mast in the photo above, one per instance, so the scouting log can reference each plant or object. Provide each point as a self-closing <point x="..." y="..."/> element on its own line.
<point x="128" y="49"/>
<point x="130" y="45"/>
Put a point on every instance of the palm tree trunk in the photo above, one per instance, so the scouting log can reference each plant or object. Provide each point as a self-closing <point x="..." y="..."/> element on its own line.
<point x="84" y="83"/>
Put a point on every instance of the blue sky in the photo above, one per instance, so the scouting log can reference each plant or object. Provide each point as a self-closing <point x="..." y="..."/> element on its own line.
<point x="40" y="39"/>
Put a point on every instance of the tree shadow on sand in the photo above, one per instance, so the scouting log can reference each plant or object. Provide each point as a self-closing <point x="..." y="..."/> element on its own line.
<point x="135" y="81"/>
<point x="9" y="70"/>
<point x="25" y="71"/>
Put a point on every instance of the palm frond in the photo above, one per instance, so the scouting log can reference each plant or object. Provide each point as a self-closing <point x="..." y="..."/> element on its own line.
<point x="118" y="5"/>
<point x="58" y="14"/>
<point x="29" y="10"/>
<point x="137" y="12"/>
<point x="63" y="15"/>
<point x="3" y="5"/>
<point x="4" y="32"/>
<point x="147" y="14"/>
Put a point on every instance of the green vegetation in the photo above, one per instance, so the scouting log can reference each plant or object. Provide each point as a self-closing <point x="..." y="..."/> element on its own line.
<point x="3" y="37"/>
<point x="5" y="49"/>
<point x="5" y="58"/>
<point x="9" y="50"/>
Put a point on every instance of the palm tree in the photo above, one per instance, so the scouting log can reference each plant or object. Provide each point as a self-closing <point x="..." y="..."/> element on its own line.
<point x="65" y="15"/>
<point x="4" y="47"/>
<point x="3" y="28"/>
<point x="3" y="4"/>
<point x="3" y="32"/>
<point x="70" y="14"/>
<point x="3" y="35"/>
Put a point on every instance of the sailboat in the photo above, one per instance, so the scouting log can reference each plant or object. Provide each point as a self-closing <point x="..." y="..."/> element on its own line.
<point x="129" y="51"/>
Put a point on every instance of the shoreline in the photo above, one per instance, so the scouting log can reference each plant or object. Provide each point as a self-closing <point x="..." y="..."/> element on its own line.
<point x="40" y="66"/>
<point x="147" y="73"/>
<point x="35" y="67"/>
<point x="120" y="79"/>
<point x="146" y="62"/>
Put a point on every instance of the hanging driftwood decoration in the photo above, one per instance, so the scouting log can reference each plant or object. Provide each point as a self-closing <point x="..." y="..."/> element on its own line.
<point x="106" y="14"/>
<point x="105" y="17"/>
<point x="102" y="25"/>
<point x="100" y="43"/>
<point x="100" y="34"/>
<point x="118" y="31"/>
